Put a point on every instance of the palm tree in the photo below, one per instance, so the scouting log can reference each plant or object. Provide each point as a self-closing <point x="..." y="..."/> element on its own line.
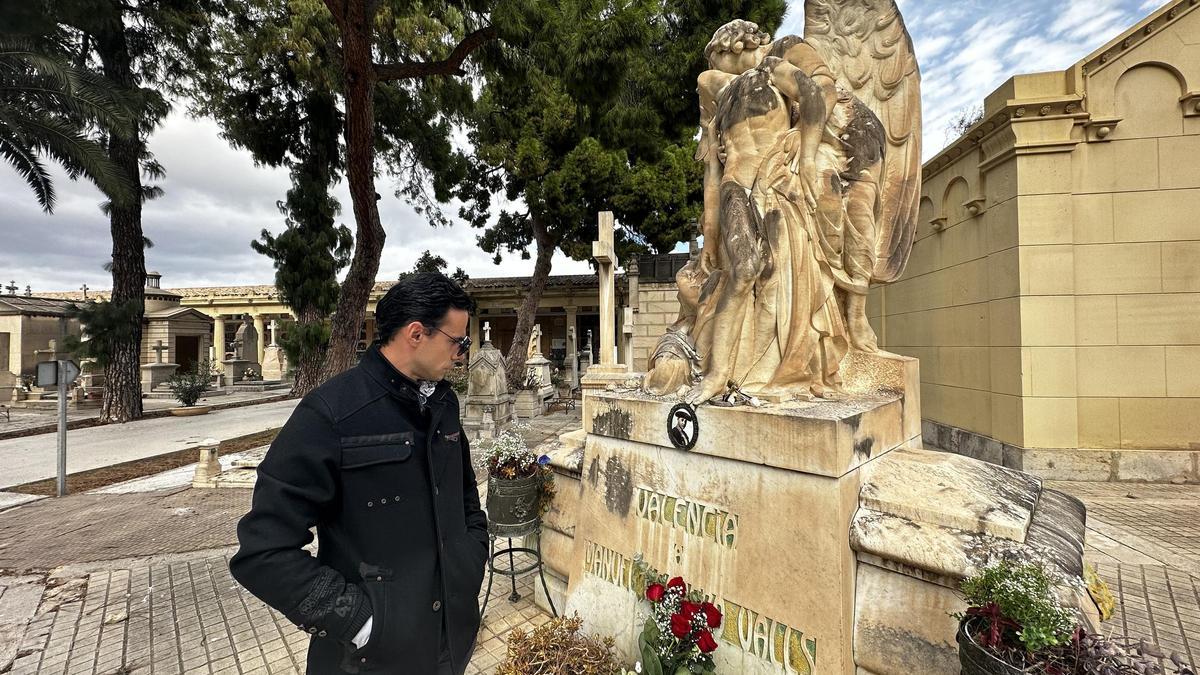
<point x="48" y="109"/>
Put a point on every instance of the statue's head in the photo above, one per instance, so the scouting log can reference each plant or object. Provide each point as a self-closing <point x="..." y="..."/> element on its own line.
<point x="736" y="47"/>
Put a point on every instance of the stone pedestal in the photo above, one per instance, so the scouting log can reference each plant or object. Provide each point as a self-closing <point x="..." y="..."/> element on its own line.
<point x="209" y="466"/>
<point x="485" y="416"/>
<point x="9" y="386"/>
<point x="539" y="367"/>
<point x="755" y="515"/>
<point x="154" y="374"/>
<point x="274" y="364"/>
<point x="529" y="403"/>
<point x="235" y="370"/>
<point x="830" y="541"/>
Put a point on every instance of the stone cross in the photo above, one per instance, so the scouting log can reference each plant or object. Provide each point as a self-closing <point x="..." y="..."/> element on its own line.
<point x="487" y="332"/>
<point x="12" y="287"/>
<point x="158" y="351"/>
<point x="51" y="350"/>
<point x="84" y="288"/>
<point x="28" y="291"/>
<point x="606" y="260"/>
<point x="273" y="326"/>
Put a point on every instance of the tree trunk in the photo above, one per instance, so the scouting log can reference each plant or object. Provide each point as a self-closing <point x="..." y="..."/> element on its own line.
<point x="308" y="366"/>
<point x="527" y="314"/>
<point x="122" y="375"/>
<point x="355" y="24"/>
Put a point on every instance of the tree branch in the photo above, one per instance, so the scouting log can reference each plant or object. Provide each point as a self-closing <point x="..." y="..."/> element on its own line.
<point x="452" y="65"/>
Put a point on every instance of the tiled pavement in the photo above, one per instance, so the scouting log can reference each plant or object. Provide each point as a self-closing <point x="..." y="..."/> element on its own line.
<point x="190" y="616"/>
<point x="182" y="612"/>
<point x="1145" y="543"/>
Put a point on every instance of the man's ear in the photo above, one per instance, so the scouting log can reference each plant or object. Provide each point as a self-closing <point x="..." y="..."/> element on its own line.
<point x="414" y="331"/>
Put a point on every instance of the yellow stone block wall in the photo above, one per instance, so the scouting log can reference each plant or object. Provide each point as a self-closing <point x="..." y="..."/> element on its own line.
<point x="1066" y="313"/>
<point x="658" y="308"/>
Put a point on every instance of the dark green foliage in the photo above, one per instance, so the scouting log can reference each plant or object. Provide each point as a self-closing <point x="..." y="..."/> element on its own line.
<point x="428" y="262"/>
<point x="105" y="324"/>
<point x="303" y="340"/>
<point x="309" y="253"/>
<point x="48" y="108"/>
<point x="188" y="386"/>
<point x="593" y="107"/>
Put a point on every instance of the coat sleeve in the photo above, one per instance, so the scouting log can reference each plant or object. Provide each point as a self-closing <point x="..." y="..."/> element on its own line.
<point x="476" y="518"/>
<point x="297" y="484"/>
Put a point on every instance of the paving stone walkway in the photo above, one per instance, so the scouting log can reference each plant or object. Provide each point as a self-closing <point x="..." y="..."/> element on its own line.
<point x="1145" y="543"/>
<point x="175" y="609"/>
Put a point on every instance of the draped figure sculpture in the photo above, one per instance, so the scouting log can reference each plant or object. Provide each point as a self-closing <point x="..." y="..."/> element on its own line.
<point x="811" y="153"/>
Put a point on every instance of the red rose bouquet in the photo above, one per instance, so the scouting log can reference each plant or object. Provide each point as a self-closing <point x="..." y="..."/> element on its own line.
<point x="678" y="636"/>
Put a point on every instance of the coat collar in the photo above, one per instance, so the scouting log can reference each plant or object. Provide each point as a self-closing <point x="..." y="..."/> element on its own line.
<point x="395" y="382"/>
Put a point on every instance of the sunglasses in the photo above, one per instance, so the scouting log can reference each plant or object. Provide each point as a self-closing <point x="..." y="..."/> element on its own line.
<point x="464" y="342"/>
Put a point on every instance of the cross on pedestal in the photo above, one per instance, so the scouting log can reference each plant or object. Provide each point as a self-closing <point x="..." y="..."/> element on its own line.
<point x="606" y="260"/>
<point x="12" y="287"/>
<point x="158" y="351"/>
<point x="28" y="291"/>
<point x="84" y="288"/>
<point x="487" y="332"/>
<point x="272" y="326"/>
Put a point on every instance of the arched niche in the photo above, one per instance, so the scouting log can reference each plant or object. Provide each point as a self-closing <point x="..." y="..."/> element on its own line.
<point x="1147" y="102"/>
<point x="957" y="193"/>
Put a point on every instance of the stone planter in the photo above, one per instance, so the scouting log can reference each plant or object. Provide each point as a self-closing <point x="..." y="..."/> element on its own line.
<point x="190" y="411"/>
<point x="512" y="505"/>
<point x="976" y="660"/>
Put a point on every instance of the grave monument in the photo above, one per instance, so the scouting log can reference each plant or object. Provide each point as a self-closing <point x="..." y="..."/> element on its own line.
<point x="488" y="409"/>
<point x="245" y="354"/>
<point x="275" y="362"/>
<point x="772" y="454"/>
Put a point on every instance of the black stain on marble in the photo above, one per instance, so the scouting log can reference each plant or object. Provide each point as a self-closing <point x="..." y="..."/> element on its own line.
<point x="618" y="487"/>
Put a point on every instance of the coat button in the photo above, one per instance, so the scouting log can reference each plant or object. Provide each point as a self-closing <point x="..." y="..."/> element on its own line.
<point x="437" y="604"/>
<point x="397" y="497"/>
<point x="312" y="630"/>
<point x="363" y="660"/>
<point x="370" y="504"/>
<point x="321" y="634"/>
<point x="383" y="500"/>
<point x="378" y="578"/>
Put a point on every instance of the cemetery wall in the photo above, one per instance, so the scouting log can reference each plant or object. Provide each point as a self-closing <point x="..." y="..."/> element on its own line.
<point x="1053" y="292"/>
<point x="658" y="308"/>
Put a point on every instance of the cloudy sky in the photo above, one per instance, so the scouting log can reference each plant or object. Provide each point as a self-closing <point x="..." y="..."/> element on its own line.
<point x="217" y="200"/>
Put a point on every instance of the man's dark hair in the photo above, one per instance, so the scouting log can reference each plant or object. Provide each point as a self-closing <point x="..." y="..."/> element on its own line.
<point x="424" y="297"/>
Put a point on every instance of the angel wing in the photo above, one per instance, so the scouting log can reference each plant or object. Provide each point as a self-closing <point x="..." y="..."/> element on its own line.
<point x="867" y="46"/>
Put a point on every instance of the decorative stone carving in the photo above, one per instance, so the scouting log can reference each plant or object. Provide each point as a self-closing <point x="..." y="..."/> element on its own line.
<point x="812" y="169"/>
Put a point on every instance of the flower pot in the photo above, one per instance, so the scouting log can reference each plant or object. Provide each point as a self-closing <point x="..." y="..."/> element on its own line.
<point x="190" y="411"/>
<point x="512" y="505"/>
<point x="976" y="660"/>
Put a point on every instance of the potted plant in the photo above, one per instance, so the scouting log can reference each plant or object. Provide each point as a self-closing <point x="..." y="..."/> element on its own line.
<point x="520" y="484"/>
<point x="189" y="386"/>
<point x="678" y="637"/>
<point x="1015" y="623"/>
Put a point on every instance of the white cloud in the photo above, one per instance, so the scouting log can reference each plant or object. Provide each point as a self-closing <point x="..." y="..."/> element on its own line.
<point x="217" y="200"/>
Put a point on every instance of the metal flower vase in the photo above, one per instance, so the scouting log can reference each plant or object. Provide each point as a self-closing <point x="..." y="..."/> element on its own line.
<point x="512" y="505"/>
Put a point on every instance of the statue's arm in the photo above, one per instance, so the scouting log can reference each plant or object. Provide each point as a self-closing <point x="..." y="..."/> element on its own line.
<point x="709" y="86"/>
<point x="814" y="98"/>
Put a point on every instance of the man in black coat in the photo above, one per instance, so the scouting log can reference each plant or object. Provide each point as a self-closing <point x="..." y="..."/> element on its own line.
<point x="375" y="460"/>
